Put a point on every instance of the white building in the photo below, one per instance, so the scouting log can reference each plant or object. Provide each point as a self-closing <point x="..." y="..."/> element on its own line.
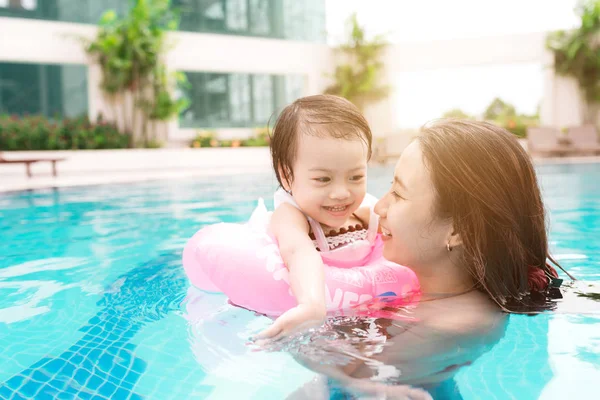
<point x="245" y="59"/>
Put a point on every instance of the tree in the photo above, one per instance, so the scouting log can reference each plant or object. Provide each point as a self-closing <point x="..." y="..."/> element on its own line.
<point x="357" y="79"/>
<point x="129" y="51"/>
<point x="577" y="54"/>
<point x="498" y="109"/>
<point x="456" y="113"/>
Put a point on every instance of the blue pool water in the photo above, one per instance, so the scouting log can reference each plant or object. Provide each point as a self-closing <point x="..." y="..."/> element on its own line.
<point x="94" y="302"/>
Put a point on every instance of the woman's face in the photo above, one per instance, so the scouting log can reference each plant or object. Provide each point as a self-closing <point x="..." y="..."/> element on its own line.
<point x="412" y="234"/>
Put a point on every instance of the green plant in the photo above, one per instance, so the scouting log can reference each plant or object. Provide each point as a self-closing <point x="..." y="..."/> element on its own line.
<point x="456" y="113"/>
<point x="502" y="114"/>
<point x="39" y="133"/>
<point x="357" y="79"/>
<point x="130" y="51"/>
<point x="577" y="54"/>
<point x="498" y="108"/>
<point x="204" y="139"/>
<point x="260" y="138"/>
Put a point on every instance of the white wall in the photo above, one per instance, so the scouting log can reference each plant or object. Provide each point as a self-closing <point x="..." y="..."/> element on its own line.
<point x="560" y="102"/>
<point x="24" y="40"/>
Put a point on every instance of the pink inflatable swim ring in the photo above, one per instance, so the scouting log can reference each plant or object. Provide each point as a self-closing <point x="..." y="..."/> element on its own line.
<point x="243" y="262"/>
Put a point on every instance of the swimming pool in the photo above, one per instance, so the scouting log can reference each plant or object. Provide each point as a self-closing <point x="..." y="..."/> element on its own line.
<point x="94" y="302"/>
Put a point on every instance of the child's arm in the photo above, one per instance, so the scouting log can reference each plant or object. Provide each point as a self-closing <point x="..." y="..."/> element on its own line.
<point x="307" y="276"/>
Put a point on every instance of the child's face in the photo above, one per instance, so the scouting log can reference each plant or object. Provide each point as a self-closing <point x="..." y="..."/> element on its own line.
<point x="330" y="178"/>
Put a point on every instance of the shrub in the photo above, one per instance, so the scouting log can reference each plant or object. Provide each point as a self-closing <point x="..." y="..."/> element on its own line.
<point x="40" y="133"/>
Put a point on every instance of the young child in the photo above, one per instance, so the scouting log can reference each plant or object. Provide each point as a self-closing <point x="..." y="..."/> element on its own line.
<point x="320" y="147"/>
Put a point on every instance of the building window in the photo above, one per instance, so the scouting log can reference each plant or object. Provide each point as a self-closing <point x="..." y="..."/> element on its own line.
<point x="261" y="17"/>
<point x="284" y="19"/>
<point x="263" y="98"/>
<point x="237" y="15"/>
<point x="49" y="90"/>
<point x="237" y="100"/>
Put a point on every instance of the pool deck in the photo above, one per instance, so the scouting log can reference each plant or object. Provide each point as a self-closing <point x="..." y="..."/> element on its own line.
<point x="94" y="167"/>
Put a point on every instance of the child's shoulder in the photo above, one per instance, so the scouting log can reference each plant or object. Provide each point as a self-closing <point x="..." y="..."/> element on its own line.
<point x="286" y="215"/>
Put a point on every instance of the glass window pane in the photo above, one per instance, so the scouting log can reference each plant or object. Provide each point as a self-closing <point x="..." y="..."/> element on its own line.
<point x="213" y="16"/>
<point x="216" y="97"/>
<point x="49" y="90"/>
<point x="240" y="99"/>
<point x="237" y="100"/>
<point x="237" y="15"/>
<point x="264" y="104"/>
<point x="294" y="87"/>
<point x="188" y="17"/>
<point x="287" y="19"/>
<point x="260" y="16"/>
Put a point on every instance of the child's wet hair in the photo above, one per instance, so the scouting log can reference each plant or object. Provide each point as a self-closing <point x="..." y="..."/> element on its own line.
<point x="319" y="115"/>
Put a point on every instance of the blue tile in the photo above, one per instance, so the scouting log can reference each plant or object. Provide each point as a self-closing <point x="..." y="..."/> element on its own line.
<point x="94" y="355"/>
<point x="99" y="341"/>
<point x="5" y="392"/>
<point x="94" y="383"/>
<point x="84" y="395"/>
<point x="39" y="363"/>
<point x="54" y="366"/>
<point x="68" y="369"/>
<point x="56" y="385"/>
<point x="70" y="390"/>
<point x="29" y="389"/>
<point x="41" y="375"/>
<point x="108" y="326"/>
<point x="17" y="396"/>
<point x="122" y="393"/>
<point x="47" y="393"/>
<point x="95" y="331"/>
<point x="139" y="365"/>
<point x="107" y="389"/>
<point x="77" y="359"/>
<point x="98" y="397"/>
<point x="84" y="351"/>
<point x="126" y="386"/>
<point x="66" y="396"/>
<point x="106" y="362"/>
<point x="118" y="371"/>
<point x="15" y="382"/>
<point x="81" y="376"/>
<point x="105" y="345"/>
<point x="135" y="396"/>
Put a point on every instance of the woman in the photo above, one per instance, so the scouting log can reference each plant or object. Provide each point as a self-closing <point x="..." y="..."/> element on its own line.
<point x="466" y="214"/>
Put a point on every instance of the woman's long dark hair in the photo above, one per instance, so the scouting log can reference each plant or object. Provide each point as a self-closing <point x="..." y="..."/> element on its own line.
<point x="487" y="185"/>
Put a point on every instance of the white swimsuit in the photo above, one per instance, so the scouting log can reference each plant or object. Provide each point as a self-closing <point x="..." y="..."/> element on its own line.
<point x="351" y="245"/>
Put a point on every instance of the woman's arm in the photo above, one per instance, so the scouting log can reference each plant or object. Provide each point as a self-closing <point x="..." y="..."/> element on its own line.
<point x="426" y="352"/>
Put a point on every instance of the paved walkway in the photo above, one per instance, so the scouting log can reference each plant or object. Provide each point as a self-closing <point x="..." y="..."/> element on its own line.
<point x="92" y="167"/>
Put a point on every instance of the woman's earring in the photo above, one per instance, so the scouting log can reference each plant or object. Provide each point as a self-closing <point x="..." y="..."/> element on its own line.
<point x="448" y="247"/>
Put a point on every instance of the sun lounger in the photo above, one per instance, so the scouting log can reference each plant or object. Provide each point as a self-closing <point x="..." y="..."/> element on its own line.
<point x="29" y="161"/>
<point x="547" y="141"/>
<point x="584" y="139"/>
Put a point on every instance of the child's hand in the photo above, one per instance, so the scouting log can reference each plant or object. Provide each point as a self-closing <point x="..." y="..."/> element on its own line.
<point x="302" y="316"/>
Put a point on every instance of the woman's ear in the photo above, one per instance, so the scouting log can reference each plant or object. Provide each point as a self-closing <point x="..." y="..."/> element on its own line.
<point x="454" y="239"/>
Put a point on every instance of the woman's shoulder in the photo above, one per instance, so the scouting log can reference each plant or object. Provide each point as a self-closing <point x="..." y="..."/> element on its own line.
<point x="471" y="314"/>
